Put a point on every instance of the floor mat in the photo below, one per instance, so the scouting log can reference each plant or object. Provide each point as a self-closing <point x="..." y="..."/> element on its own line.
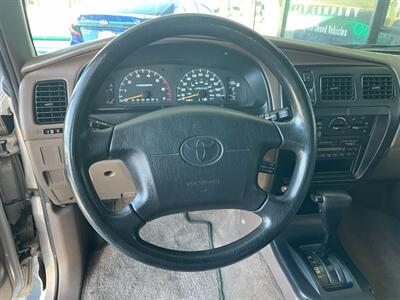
<point x="372" y="239"/>
<point x="112" y="275"/>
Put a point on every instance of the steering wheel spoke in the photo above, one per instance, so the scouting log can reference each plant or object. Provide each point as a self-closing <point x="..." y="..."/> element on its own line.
<point x="292" y="133"/>
<point x="125" y="224"/>
<point x="274" y="208"/>
<point x="97" y="145"/>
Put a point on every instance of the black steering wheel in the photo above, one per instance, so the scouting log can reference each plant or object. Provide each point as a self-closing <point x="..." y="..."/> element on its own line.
<point x="190" y="158"/>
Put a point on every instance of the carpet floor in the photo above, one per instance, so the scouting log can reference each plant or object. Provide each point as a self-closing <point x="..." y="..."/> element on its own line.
<point x="112" y="275"/>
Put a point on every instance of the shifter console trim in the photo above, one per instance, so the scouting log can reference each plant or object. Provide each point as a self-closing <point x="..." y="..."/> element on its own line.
<point x="329" y="271"/>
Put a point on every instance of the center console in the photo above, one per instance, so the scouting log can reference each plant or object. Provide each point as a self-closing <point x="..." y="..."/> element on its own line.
<point x="310" y="274"/>
<point x="342" y="141"/>
<point x="357" y="113"/>
<point x="349" y="141"/>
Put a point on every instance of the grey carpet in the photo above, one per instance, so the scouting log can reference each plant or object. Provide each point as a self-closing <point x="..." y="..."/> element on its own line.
<point x="372" y="239"/>
<point x="112" y="275"/>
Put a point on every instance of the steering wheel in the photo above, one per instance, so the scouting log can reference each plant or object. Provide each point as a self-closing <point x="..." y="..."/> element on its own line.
<point x="189" y="158"/>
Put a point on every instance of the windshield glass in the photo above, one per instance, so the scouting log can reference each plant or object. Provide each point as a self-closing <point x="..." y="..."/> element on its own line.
<point x="57" y="24"/>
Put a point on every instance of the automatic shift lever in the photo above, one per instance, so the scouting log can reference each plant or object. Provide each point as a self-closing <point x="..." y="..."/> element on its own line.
<point x="331" y="206"/>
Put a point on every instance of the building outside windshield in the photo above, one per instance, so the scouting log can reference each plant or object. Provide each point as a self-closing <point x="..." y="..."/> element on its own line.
<point x="357" y="23"/>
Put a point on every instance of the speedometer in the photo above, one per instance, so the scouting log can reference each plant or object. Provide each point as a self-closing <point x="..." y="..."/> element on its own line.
<point x="144" y="86"/>
<point x="200" y="86"/>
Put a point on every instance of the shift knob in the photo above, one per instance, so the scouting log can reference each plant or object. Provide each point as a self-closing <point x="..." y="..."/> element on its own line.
<point x="331" y="206"/>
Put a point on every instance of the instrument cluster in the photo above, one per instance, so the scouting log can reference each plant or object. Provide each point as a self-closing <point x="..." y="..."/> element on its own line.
<point x="166" y="85"/>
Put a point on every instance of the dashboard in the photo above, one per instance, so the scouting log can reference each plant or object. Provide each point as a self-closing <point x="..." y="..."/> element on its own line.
<point x="355" y="97"/>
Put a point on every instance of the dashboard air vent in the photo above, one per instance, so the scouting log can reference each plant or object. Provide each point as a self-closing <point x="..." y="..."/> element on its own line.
<point x="50" y="101"/>
<point x="337" y="87"/>
<point x="377" y="87"/>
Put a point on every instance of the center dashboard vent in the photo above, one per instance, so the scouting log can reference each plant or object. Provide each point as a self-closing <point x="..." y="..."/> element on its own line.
<point x="50" y="98"/>
<point x="337" y="88"/>
<point x="377" y="87"/>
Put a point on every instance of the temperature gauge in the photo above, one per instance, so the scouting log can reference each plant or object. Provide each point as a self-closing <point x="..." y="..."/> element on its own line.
<point x="233" y="90"/>
<point x="109" y="94"/>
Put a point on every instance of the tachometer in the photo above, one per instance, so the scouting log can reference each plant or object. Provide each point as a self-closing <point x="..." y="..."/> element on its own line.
<point x="144" y="86"/>
<point x="200" y="86"/>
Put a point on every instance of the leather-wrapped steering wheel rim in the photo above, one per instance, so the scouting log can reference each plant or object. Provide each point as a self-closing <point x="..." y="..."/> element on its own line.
<point x="150" y="165"/>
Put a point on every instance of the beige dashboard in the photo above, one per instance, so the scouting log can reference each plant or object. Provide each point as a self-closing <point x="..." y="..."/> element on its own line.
<point x="45" y="145"/>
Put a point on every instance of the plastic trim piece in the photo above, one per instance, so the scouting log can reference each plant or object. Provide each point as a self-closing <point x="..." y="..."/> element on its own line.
<point x="11" y="260"/>
<point x="295" y="272"/>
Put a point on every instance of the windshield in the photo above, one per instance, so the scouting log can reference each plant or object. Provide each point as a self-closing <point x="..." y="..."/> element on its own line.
<point x="57" y="24"/>
<point x="149" y="8"/>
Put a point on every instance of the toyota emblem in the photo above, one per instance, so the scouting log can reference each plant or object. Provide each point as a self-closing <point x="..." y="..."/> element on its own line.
<point x="201" y="150"/>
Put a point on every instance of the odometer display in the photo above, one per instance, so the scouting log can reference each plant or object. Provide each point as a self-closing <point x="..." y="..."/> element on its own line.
<point x="200" y="86"/>
<point x="144" y="86"/>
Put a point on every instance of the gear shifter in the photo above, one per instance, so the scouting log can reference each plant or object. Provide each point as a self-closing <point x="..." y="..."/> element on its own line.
<point x="330" y="272"/>
<point x="331" y="206"/>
